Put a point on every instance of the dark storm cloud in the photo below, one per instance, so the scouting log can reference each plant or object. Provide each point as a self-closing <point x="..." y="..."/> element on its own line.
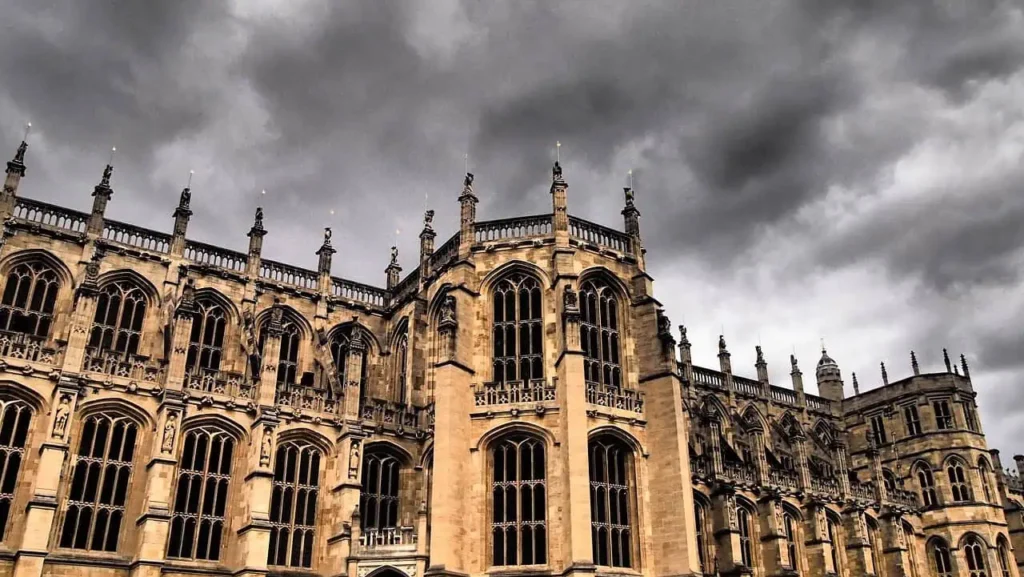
<point x="765" y="136"/>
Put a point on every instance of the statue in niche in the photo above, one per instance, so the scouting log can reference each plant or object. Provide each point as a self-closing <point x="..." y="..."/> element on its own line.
<point x="448" y="310"/>
<point x="353" y="459"/>
<point x="570" y="300"/>
<point x="267" y="447"/>
<point x="60" y="420"/>
<point x="170" y="432"/>
<point x="250" y="343"/>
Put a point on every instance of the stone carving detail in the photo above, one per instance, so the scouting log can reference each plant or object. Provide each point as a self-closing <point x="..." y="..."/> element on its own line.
<point x="353" y="459"/>
<point x="250" y="344"/>
<point x="170" y="432"/>
<point x="730" y="505"/>
<point x="60" y="420"/>
<point x="570" y="300"/>
<point x="448" y="310"/>
<point x="266" y="447"/>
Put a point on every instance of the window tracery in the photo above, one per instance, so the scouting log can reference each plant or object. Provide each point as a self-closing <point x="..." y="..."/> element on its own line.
<point x="927" y="483"/>
<point x="402" y="368"/>
<point x="519" y="502"/>
<point x="518" y="330"/>
<point x="789" y="525"/>
<point x="974" y="551"/>
<point x="206" y="342"/>
<point x="746" y="531"/>
<point x="293" y="505"/>
<point x="200" y="502"/>
<point x="15" y="417"/>
<point x="379" y="498"/>
<point x="958" y="481"/>
<point x="700" y="518"/>
<point x="29" y="299"/>
<point x="95" y="501"/>
<point x="120" y="314"/>
<point x="940" y="559"/>
<point x="599" y="334"/>
<point x="611" y="501"/>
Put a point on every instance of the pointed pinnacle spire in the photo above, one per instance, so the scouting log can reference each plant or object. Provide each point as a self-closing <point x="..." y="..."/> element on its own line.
<point x="945" y="359"/>
<point x="913" y="363"/>
<point x="885" y="375"/>
<point x="856" y="385"/>
<point x="963" y="364"/>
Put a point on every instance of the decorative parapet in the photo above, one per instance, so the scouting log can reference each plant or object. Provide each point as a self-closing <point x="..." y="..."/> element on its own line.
<point x="50" y="216"/>
<point x="220" y="383"/>
<point x="784" y="479"/>
<point x="308" y="399"/>
<point x="590" y="233"/>
<point x="29" y="348"/>
<point x="514" y="392"/>
<point x="290" y="275"/>
<point x="129" y="366"/>
<point x="390" y="539"/>
<point x="213" y="256"/>
<point x="746" y="386"/>
<point x="903" y="497"/>
<point x="512" y="228"/>
<point x="390" y="415"/>
<point x="740" y="473"/>
<point x="825" y="485"/>
<point x="863" y="491"/>
<point x="136" y="237"/>
<point x="615" y="398"/>
<point x="358" y="292"/>
<point x="708" y="378"/>
<point x="445" y="255"/>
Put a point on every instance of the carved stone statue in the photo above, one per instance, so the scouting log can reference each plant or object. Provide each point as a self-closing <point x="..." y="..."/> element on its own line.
<point x="664" y="324"/>
<point x="570" y="300"/>
<point x="469" y="180"/>
<point x="353" y="459"/>
<point x="730" y="505"/>
<point x="19" y="156"/>
<point x="556" y="171"/>
<point x="170" y="432"/>
<point x="792" y="362"/>
<point x="188" y="295"/>
<point x="60" y="420"/>
<point x="629" y="195"/>
<point x="258" y="224"/>
<point x="760" y="353"/>
<point x="266" y="447"/>
<point x="721" y="343"/>
<point x="186" y="197"/>
<point x="394" y="255"/>
<point x="107" y="172"/>
<point x="448" y="310"/>
<point x="682" y="333"/>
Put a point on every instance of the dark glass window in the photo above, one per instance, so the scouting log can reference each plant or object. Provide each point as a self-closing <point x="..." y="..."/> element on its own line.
<point x="599" y="334"/>
<point x="519" y="502"/>
<point x="943" y="416"/>
<point x="293" y="505"/>
<point x="611" y="498"/>
<point x="927" y="482"/>
<point x="940" y="557"/>
<point x="206" y="343"/>
<point x="204" y="474"/>
<point x="30" y="296"/>
<point x="958" y="481"/>
<point x="518" y="331"/>
<point x="878" y="429"/>
<point x="746" y="536"/>
<point x="14" y="426"/>
<point x="120" y="313"/>
<point x="912" y="419"/>
<point x="379" y="496"/>
<point x="975" y="554"/>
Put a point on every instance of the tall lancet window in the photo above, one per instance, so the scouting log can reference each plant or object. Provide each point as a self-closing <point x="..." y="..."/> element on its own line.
<point x="206" y="343"/>
<point x="401" y="368"/>
<point x="14" y="422"/>
<point x="518" y="332"/>
<point x="201" y="497"/>
<point x="379" y="497"/>
<point x="519" y="502"/>
<point x="120" y="313"/>
<point x="611" y="502"/>
<point x="288" y="356"/>
<point x="293" y="505"/>
<point x="341" y="346"/>
<point x="30" y="296"/>
<point x="599" y="334"/>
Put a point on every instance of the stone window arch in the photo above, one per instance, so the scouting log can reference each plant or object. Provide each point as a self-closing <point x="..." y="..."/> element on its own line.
<point x="940" y="560"/>
<point x="612" y="501"/>
<point x="703" y="531"/>
<point x="293" y="504"/>
<point x="518" y="501"/>
<point x="791" y="536"/>
<point x="1003" y="554"/>
<point x="379" y="497"/>
<point x="341" y="342"/>
<point x="206" y="341"/>
<point x="926" y="482"/>
<point x="518" y="329"/>
<point x="401" y="368"/>
<point x="745" y="516"/>
<point x="29" y="299"/>
<point x="874" y="549"/>
<point x="974" y="553"/>
<point x="120" y="316"/>
<point x="95" y="501"/>
<point x="15" y="418"/>
<point x="600" y="333"/>
<point x="201" y="495"/>
<point x="836" y="538"/>
<point x="956" y="472"/>
<point x="984" y="471"/>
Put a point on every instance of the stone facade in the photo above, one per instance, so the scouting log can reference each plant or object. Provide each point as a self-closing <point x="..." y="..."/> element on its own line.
<point x="517" y="404"/>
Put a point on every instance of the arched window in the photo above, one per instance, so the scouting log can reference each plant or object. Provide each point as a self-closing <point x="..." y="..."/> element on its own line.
<point x="927" y="483"/>
<point x="518" y="331"/>
<point x="401" y="368"/>
<point x="958" y="481"/>
<point x="293" y="505"/>
<point x="599" y="334"/>
<point x="30" y="296"/>
<point x="746" y="529"/>
<point x="983" y="472"/>
<point x="1004" y="557"/>
<point x="974" y="551"/>
<point x="611" y="501"/>
<point x="204" y="474"/>
<point x="378" y="501"/>
<point x="95" y="501"/>
<point x="341" y="345"/>
<point x="700" y="517"/>
<point x="120" y="313"/>
<point x="789" y="525"/>
<point x="874" y="546"/>
<point x="14" y="425"/>
<point x="519" y="502"/>
<point x="206" y="343"/>
<point x="889" y="480"/>
<point x="941" y="562"/>
<point x="833" y="537"/>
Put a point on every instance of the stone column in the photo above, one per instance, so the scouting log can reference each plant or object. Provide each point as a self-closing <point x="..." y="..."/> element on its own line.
<point x="41" y="509"/>
<point x="858" y="546"/>
<point x="354" y="393"/>
<point x="895" y="547"/>
<point x="15" y="172"/>
<point x="452" y="482"/>
<point x="81" y="318"/>
<point x="343" y="500"/>
<point x="725" y="364"/>
<point x="762" y="372"/>
<point x="100" y="197"/>
<point x="181" y="216"/>
<point x="559" y="206"/>
<point x="760" y="458"/>
<point x="715" y="442"/>
<point x="256" y="234"/>
<point x="631" y="218"/>
<point x="325" y="254"/>
<point x="775" y="554"/>
<point x="271" y="356"/>
<point x="818" y="548"/>
<point x="842" y="471"/>
<point x="393" y="272"/>
<point x="467" y="217"/>
<point x="727" y="533"/>
<point x="254" y="534"/>
<point x="180" y="338"/>
<point x="803" y="468"/>
<point x="154" y="523"/>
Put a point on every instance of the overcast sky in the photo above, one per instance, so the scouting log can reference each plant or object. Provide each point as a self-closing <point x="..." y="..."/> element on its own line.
<point x="846" y="170"/>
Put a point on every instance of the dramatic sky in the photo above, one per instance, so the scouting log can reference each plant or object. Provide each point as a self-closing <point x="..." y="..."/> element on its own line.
<point x="846" y="170"/>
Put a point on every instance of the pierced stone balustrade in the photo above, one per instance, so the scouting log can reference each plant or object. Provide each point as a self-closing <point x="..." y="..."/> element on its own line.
<point x="818" y="403"/>
<point x="287" y="274"/>
<point x="699" y="466"/>
<point x="388" y="539"/>
<point x="220" y="383"/>
<point x="50" y="215"/>
<point x="448" y="252"/>
<point x="307" y="399"/>
<point x="512" y="228"/>
<point x="209" y="255"/>
<point x="29" y="348"/>
<point x="785" y="396"/>
<point x="826" y="485"/>
<point x="903" y="497"/>
<point x="740" y="473"/>
<point x="134" y="236"/>
<point x="390" y="414"/>
<point x="708" y="378"/>
<point x="129" y="366"/>
<point x="863" y="490"/>
<point x="602" y="236"/>
<point x="357" y="292"/>
<point x="784" y="479"/>
<point x="615" y="398"/>
<point x="747" y="386"/>
<point x="512" y="392"/>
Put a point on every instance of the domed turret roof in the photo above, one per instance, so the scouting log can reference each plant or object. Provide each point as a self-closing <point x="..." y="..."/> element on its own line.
<point x="826" y="361"/>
